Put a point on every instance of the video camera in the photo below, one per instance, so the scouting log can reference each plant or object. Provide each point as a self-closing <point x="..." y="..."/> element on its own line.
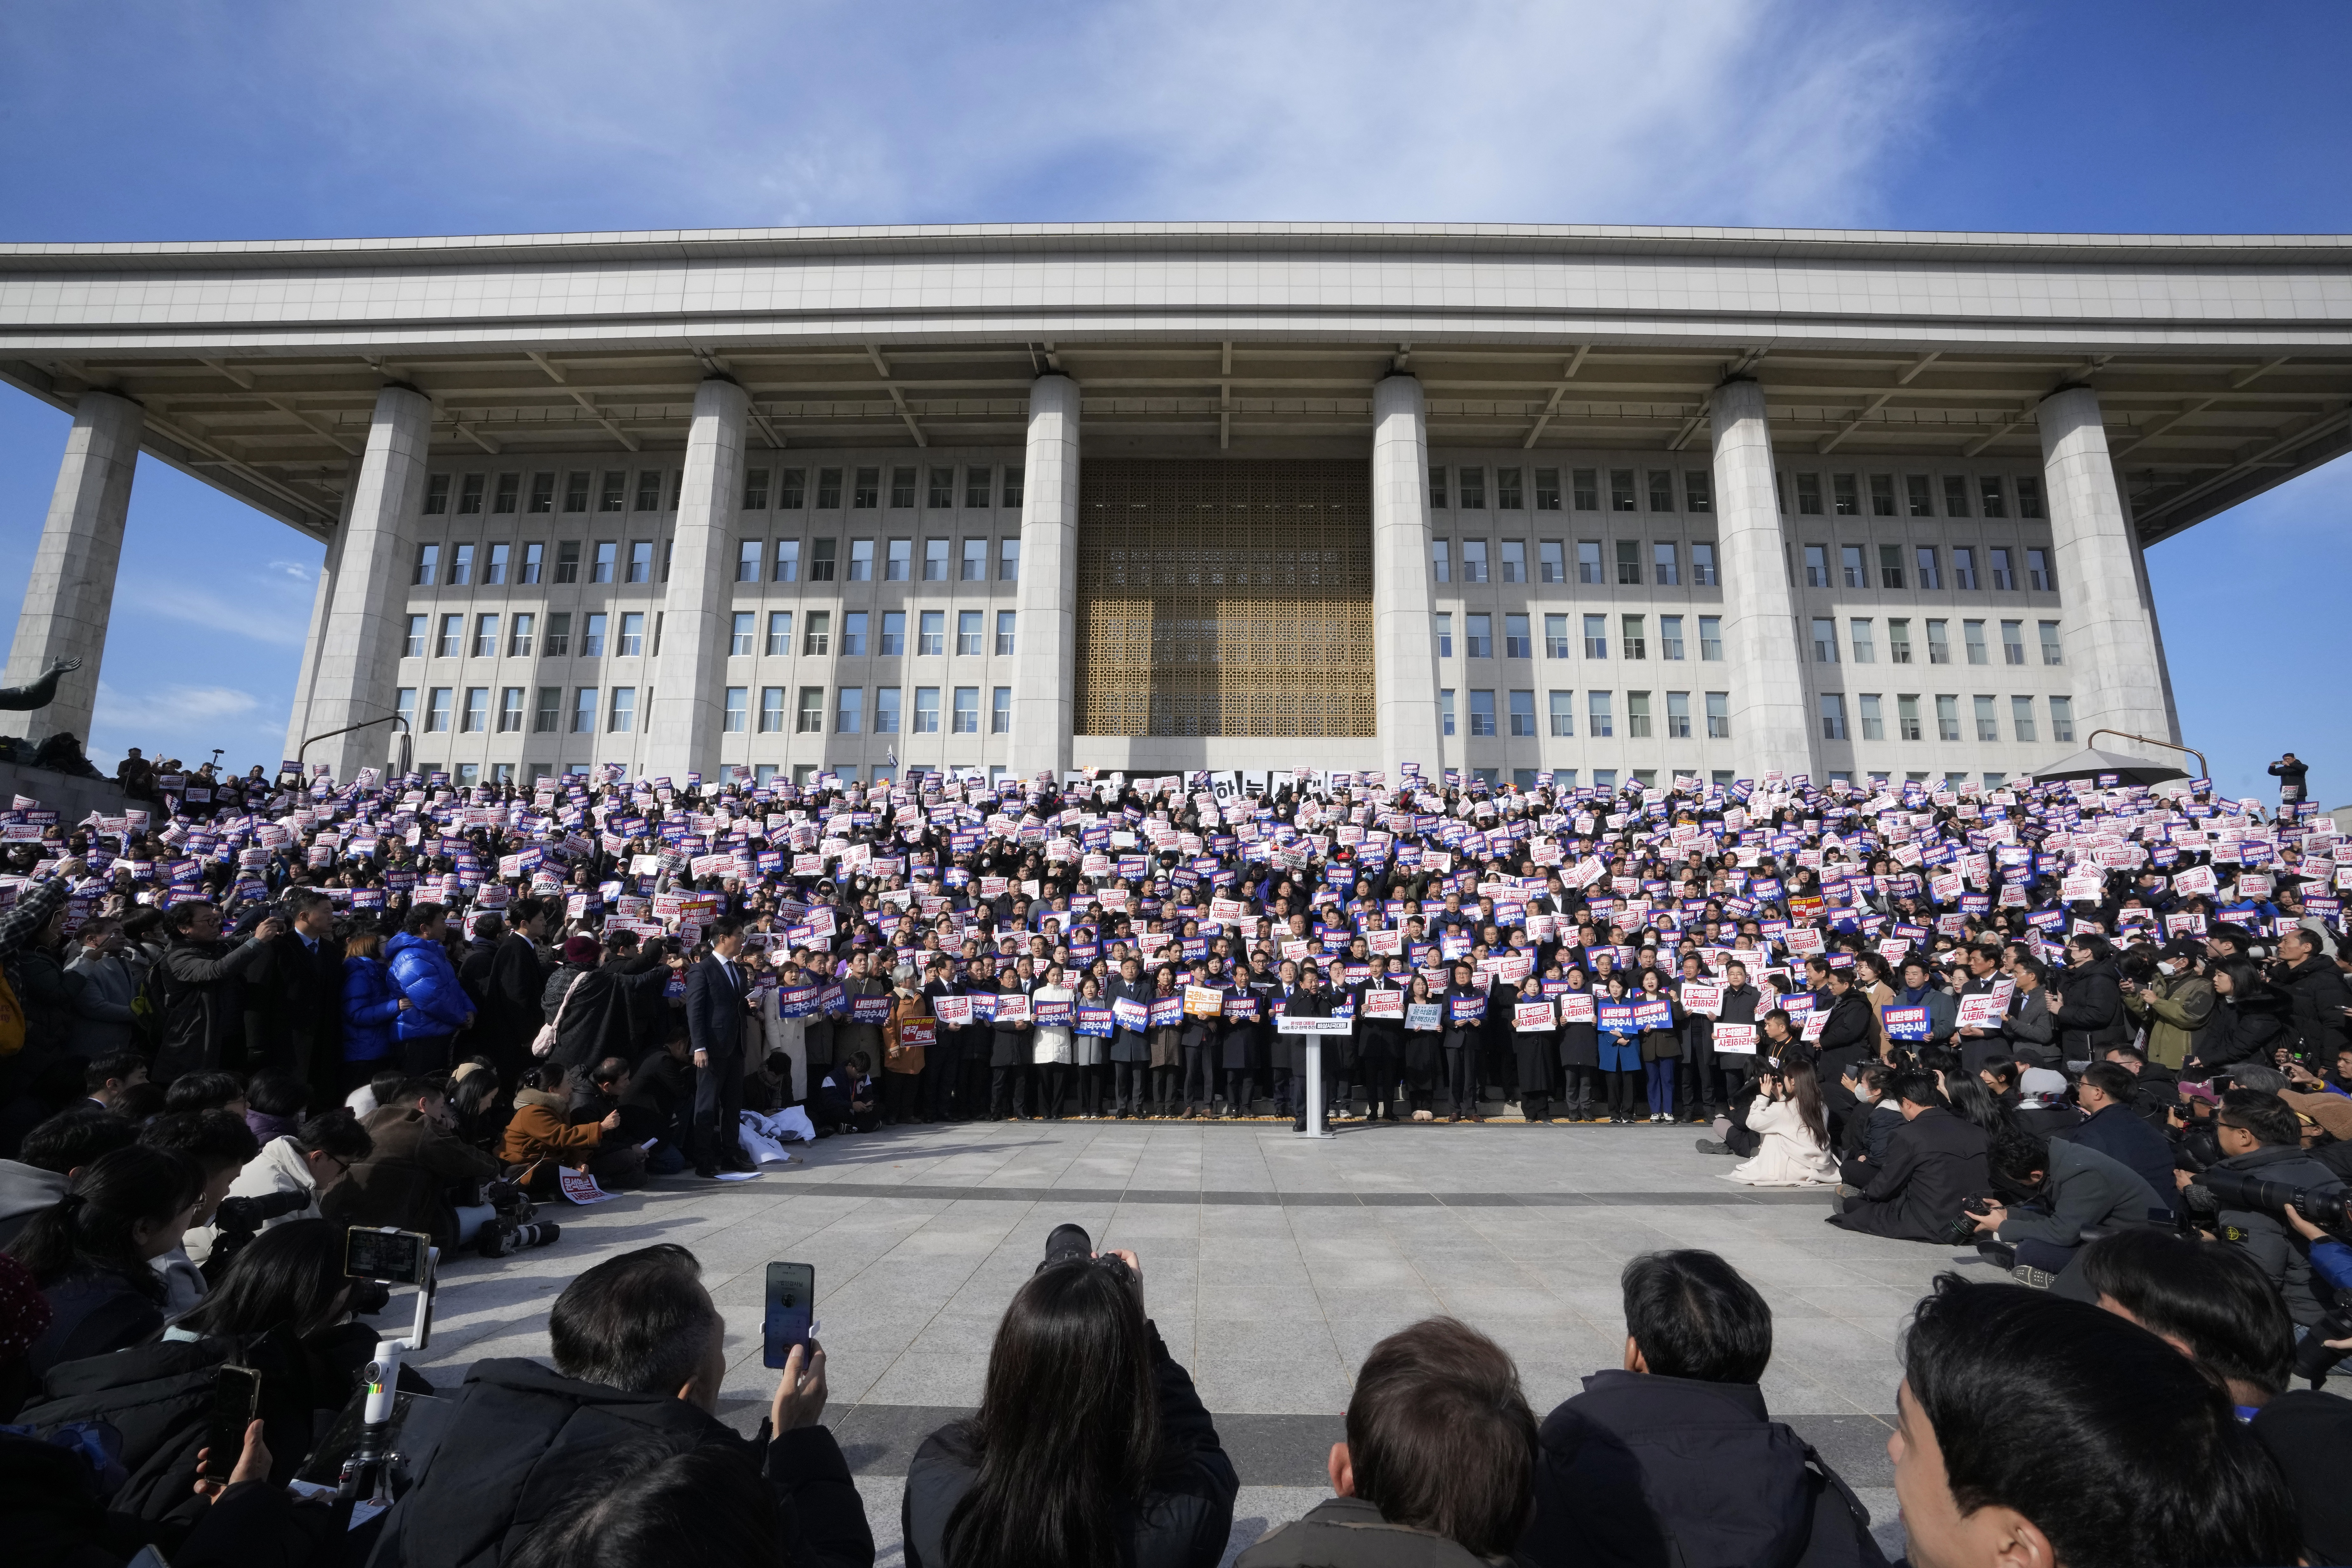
<point x="239" y="1220"/>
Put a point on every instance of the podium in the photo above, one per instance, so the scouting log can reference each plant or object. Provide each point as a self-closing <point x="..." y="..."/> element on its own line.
<point x="1315" y="1030"/>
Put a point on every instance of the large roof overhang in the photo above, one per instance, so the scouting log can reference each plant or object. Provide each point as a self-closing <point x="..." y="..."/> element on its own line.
<point x="2223" y="362"/>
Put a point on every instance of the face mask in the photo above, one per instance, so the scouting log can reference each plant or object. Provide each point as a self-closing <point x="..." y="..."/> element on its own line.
<point x="2166" y="966"/>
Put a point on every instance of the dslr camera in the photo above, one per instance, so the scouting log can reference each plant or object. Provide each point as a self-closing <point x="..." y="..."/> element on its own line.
<point x="1962" y="1229"/>
<point x="2239" y="1190"/>
<point x="239" y="1220"/>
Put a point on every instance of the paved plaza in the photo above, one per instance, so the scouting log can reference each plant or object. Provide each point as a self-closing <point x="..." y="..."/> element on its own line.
<point x="1271" y="1264"/>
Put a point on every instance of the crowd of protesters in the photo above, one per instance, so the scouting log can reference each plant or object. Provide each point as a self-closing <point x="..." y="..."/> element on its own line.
<point x="2070" y="1024"/>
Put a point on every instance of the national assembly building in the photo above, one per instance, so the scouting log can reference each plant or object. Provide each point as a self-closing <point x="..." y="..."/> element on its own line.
<point x="1607" y="504"/>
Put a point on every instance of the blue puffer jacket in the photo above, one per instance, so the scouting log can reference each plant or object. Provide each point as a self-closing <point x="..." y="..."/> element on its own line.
<point x="371" y="1001"/>
<point x="438" y="1004"/>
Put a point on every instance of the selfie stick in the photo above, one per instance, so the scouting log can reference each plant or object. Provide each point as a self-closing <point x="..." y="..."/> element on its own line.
<point x="367" y="1474"/>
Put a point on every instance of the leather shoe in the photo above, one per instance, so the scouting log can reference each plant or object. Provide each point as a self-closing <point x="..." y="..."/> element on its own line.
<point x="708" y="1172"/>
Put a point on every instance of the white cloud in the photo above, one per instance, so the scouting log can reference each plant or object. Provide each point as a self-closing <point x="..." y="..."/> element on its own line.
<point x="187" y="721"/>
<point x="1577" y="110"/>
<point x="267" y="613"/>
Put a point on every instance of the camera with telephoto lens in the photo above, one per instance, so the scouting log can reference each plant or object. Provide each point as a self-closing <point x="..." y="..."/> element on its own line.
<point x="2238" y="1190"/>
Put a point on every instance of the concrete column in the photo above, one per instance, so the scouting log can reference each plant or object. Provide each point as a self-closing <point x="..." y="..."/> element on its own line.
<point x="689" y="702"/>
<point x="322" y="603"/>
<point x="1772" y="726"/>
<point x="1044" y="665"/>
<point x="1405" y="650"/>
<point x="71" y="589"/>
<point x="2108" y="622"/>
<point x="358" y="660"/>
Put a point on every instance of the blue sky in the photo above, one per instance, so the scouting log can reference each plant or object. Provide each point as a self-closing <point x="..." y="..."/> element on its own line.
<point x="208" y="121"/>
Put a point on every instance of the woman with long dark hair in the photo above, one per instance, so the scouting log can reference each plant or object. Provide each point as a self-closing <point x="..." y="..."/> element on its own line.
<point x="1788" y="1115"/>
<point x="1089" y="1447"/>
<point x="90" y="1250"/>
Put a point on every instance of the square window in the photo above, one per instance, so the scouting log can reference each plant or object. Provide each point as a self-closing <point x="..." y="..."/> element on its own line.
<point x="1482" y="713"/>
<point x="927" y="710"/>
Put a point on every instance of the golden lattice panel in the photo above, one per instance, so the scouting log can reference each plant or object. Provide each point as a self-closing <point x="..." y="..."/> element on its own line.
<point x="1225" y="598"/>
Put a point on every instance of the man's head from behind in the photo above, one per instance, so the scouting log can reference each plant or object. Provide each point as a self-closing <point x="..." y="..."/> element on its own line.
<point x="2212" y="1304"/>
<point x="2044" y="1433"/>
<point x="1440" y="1437"/>
<point x="642" y="1322"/>
<point x="1689" y="1314"/>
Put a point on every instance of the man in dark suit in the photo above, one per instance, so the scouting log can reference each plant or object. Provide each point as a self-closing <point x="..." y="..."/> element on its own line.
<point x="1934" y="1161"/>
<point x="512" y="986"/>
<point x="715" y="990"/>
<point x="294" y="996"/>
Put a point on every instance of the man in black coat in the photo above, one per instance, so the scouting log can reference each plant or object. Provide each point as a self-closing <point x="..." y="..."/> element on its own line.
<point x="294" y="996"/>
<point x="1675" y="1459"/>
<point x="715" y="990"/>
<point x="2315" y="993"/>
<point x="639" y="1357"/>
<point x="2087" y="1000"/>
<point x="511" y="988"/>
<point x="1933" y="1161"/>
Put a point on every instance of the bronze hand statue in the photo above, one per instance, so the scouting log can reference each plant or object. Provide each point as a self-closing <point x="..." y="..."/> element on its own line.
<point x="41" y="692"/>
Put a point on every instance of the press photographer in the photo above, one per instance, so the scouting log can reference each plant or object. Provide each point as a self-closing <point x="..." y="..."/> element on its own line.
<point x="2262" y="1170"/>
<point x="2057" y="1190"/>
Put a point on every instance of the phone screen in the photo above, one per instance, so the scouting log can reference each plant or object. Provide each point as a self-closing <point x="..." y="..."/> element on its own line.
<point x="791" y="1304"/>
<point x="237" y="1395"/>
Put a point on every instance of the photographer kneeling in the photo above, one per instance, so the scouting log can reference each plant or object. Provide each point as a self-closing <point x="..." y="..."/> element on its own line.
<point x="2262" y="1168"/>
<point x="2061" y="1189"/>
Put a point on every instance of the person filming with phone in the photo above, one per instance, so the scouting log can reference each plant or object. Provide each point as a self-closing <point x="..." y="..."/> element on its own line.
<point x="578" y="1463"/>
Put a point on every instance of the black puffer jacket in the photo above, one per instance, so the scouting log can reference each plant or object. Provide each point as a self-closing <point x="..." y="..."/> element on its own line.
<point x="522" y="1439"/>
<point x="1639" y="1468"/>
<point x="2093" y="1018"/>
<point x="2238" y="1030"/>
